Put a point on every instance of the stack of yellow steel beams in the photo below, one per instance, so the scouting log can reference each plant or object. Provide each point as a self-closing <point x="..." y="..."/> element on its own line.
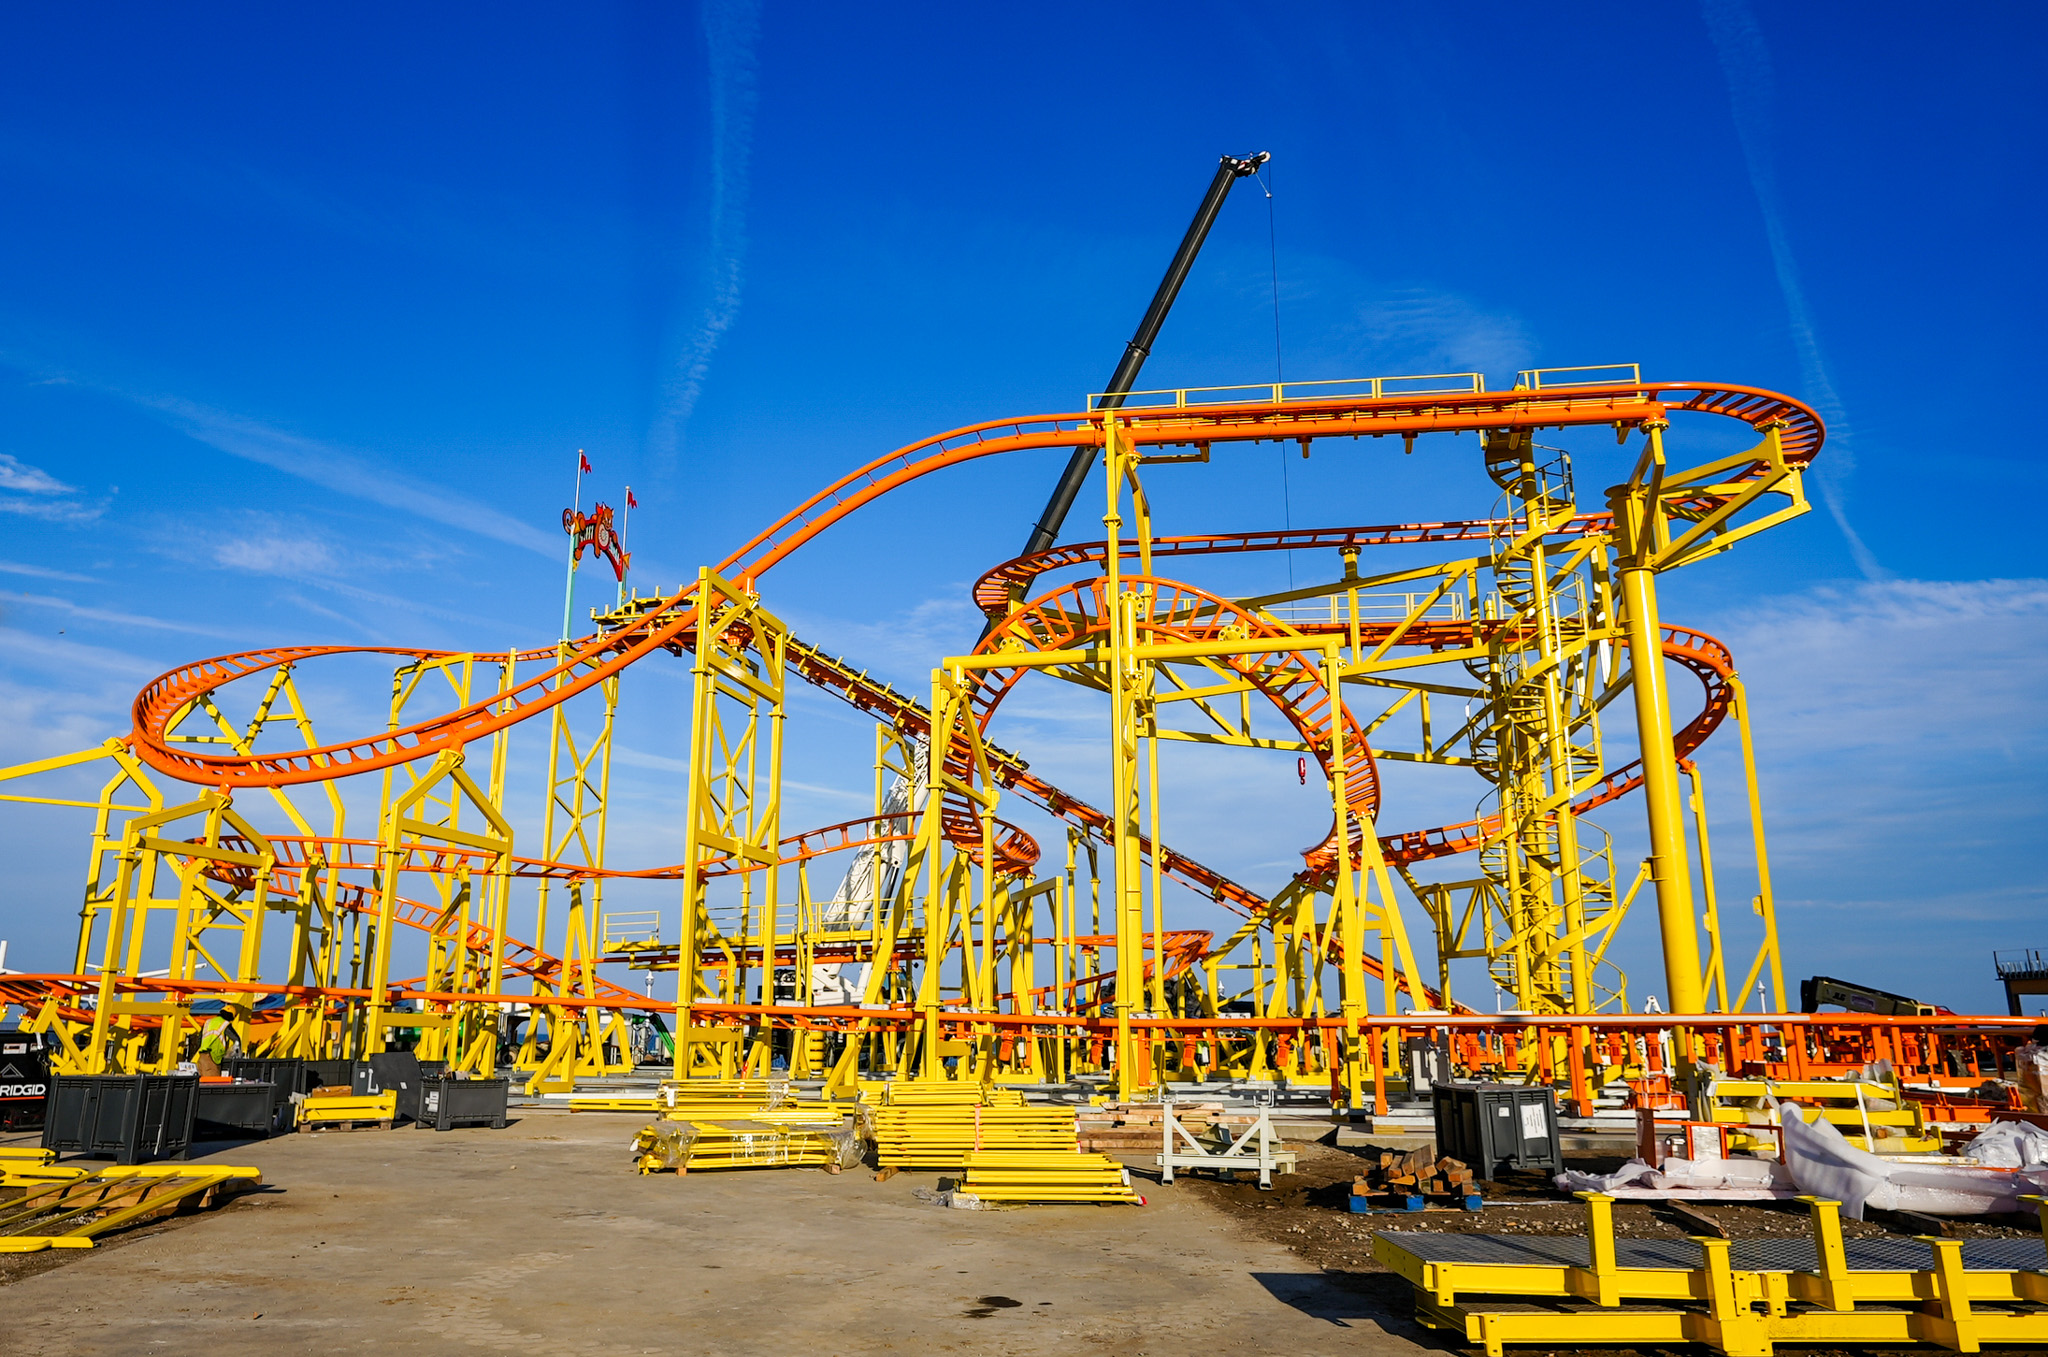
<point x="757" y="1092"/>
<point x="914" y="1093"/>
<point x="939" y="1125"/>
<point x="789" y="1114"/>
<point x="68" y="1212"/>
<point x="1009" y="1176"/>
<point x="703" y="1097"/>
<point x="615" y="1104"/>
<point x="739" y="1143"/>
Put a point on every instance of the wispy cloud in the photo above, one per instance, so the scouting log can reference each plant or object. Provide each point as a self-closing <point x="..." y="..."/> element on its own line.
<point x="33" y="492"/>
<point x="65" y="605"/>
<point x="1746" y="63"/>
<point x="344" y="472"/>
<point x="1899" y="736"/>
<point x="43" y="573"/>
<point x="830" y="793"/>
<point x="305" y="604"/>
<point x="903" y="645"/>
<point x="19" y="475"/>
<point x="634" y="758"/>
<point x="1420" y="330"/>
<point x="731" y="29"/>
<point x="411" y="605"/>
<point x="274" y="554"/>
<point x="67" y="657"/>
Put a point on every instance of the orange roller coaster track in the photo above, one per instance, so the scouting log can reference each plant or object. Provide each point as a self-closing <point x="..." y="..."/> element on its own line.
<point x="598" y="658"/>
<point x="1533" y="658"/>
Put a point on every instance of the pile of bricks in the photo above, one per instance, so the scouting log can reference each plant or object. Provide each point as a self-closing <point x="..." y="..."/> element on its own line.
<point x="1412" y="1178"/>
<point x="1134" y="1128"/>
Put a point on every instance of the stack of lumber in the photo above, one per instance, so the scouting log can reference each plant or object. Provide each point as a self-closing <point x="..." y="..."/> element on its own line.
<point x="1418" y="1173"/>
<point x="1068" y="1176"/>
<point x="938" y="1125"/>
<point x="1135" y="1128"/>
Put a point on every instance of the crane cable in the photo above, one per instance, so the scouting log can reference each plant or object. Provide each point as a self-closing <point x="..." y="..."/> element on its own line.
<point x="1279" y="368"/>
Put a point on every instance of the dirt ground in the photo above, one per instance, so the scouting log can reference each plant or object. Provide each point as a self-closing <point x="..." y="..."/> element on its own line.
<point x="540" y="1235"/>
<point x="1307" y="1213"/>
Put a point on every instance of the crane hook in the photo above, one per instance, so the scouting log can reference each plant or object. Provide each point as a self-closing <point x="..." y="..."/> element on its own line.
<point x="1301" y="770"/>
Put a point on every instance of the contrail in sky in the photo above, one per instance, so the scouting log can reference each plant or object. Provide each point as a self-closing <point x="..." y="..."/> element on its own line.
<point x="731" y="28"/>
<point x="343" y="472"/>
<point x="1746" y="62"/>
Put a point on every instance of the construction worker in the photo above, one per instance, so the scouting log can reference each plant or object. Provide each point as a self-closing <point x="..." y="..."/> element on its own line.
<point x="216" y="1035"/>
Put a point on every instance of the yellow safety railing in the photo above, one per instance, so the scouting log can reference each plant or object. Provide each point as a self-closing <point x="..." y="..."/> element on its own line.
<point x="630" y="926"/>
<point x="1372" y="608"/>
<point x="1606" y="374"/>
<point x="1280" y="393"/>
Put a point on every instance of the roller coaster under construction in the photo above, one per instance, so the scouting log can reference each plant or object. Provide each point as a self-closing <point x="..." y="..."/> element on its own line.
<point x="951" y="947"/>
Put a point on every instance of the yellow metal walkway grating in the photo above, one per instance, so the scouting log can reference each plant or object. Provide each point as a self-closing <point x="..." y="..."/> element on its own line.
<point x="1741" y="1297"/>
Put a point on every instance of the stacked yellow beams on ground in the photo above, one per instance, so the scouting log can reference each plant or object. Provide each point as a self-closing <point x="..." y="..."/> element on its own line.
<point x="1735" y="1296"/>
<point x="1060" y="1176"/>
<point x="614" y="1105"/>
<point x="745" y="1143"/>
<point x="910" y="1093"/>
<point x="761" y="1092"/>
<point x="742" y="1123"/>
<point x="66" y="1208"/>
<point x="938" y="1125"/>
<point x="1871" y="1115"/>
<point x="711" y="1097"/>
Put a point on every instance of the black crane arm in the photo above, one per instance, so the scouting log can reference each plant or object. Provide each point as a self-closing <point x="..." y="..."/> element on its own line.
<point x="1232" y="169"/>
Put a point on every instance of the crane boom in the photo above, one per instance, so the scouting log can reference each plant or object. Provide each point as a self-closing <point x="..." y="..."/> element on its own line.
<point x="1228" y="172"/>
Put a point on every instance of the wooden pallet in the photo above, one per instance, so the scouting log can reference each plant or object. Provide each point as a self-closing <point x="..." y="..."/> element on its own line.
<point x="1386" y="1205"/>
<point x="384" y="1124"/>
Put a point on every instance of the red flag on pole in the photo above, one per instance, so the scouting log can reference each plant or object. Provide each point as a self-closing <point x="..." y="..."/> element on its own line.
<point x="584" y="462"/>
<point x="631" y="503"/>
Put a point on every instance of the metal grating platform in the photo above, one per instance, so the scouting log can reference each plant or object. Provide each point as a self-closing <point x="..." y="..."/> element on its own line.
<point x="1791" y="1254"/>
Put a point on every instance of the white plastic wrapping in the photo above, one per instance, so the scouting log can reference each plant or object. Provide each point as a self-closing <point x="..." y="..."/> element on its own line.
<point x="2010" y="1145"/>
<point x="845" y="1140"/>
<point x="1630" y="1174"/>
<point x="1824" y="1164"/>
<point x="1741" y="1177"/>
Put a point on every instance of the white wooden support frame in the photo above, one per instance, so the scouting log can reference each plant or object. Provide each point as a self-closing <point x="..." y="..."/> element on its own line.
<point x="1266" y="1157"/>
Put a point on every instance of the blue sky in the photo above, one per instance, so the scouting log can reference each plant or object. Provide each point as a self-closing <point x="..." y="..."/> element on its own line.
<point x="306" y="317"/>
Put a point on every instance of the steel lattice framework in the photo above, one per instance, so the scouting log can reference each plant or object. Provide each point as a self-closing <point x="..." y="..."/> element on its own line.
<point x="951" y="948"/>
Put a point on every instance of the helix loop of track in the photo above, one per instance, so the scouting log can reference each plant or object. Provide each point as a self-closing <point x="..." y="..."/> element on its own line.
<point x="1078" y="615"/>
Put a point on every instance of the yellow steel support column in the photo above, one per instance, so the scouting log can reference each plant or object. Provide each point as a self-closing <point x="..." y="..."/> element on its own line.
<point x="1764" y="903"/>
<point x="1638" y="523"/>
<point x="734" y="801"/>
